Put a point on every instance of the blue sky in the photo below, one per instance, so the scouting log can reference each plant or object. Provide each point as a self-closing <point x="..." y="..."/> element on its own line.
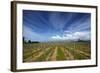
<point x="51" y="25"/>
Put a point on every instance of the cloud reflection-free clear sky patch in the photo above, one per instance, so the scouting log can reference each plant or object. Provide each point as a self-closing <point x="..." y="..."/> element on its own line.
<point x="51" y="25"/>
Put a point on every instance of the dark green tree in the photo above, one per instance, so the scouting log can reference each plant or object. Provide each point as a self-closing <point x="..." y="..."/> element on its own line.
<point x="24" y="39"/>
<point x="29" y="41"/>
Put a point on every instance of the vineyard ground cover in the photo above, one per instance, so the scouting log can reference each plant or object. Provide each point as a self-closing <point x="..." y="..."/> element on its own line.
<point x="59" y="51"/>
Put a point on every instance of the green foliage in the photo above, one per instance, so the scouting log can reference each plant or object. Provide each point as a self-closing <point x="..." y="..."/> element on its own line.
<point x="60" y="55"/>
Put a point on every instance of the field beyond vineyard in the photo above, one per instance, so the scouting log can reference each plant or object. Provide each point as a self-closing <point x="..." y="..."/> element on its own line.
<point x="55" y="51"/>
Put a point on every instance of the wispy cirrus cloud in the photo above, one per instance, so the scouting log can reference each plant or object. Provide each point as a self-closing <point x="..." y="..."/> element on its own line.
<point x="81" y="25"/>
<point x="58" y="20"/>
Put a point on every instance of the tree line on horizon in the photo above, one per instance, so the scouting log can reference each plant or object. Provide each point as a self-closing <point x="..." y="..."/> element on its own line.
<point x="29" y="41"/>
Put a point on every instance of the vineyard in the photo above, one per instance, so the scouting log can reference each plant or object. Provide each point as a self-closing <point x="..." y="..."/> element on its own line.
<point x="37" y="52"/>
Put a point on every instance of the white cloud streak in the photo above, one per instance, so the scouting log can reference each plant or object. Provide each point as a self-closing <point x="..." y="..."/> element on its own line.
<point x="78" y="26"/>
<point x="59" y="22"/>
<point x="84" y="35"/>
